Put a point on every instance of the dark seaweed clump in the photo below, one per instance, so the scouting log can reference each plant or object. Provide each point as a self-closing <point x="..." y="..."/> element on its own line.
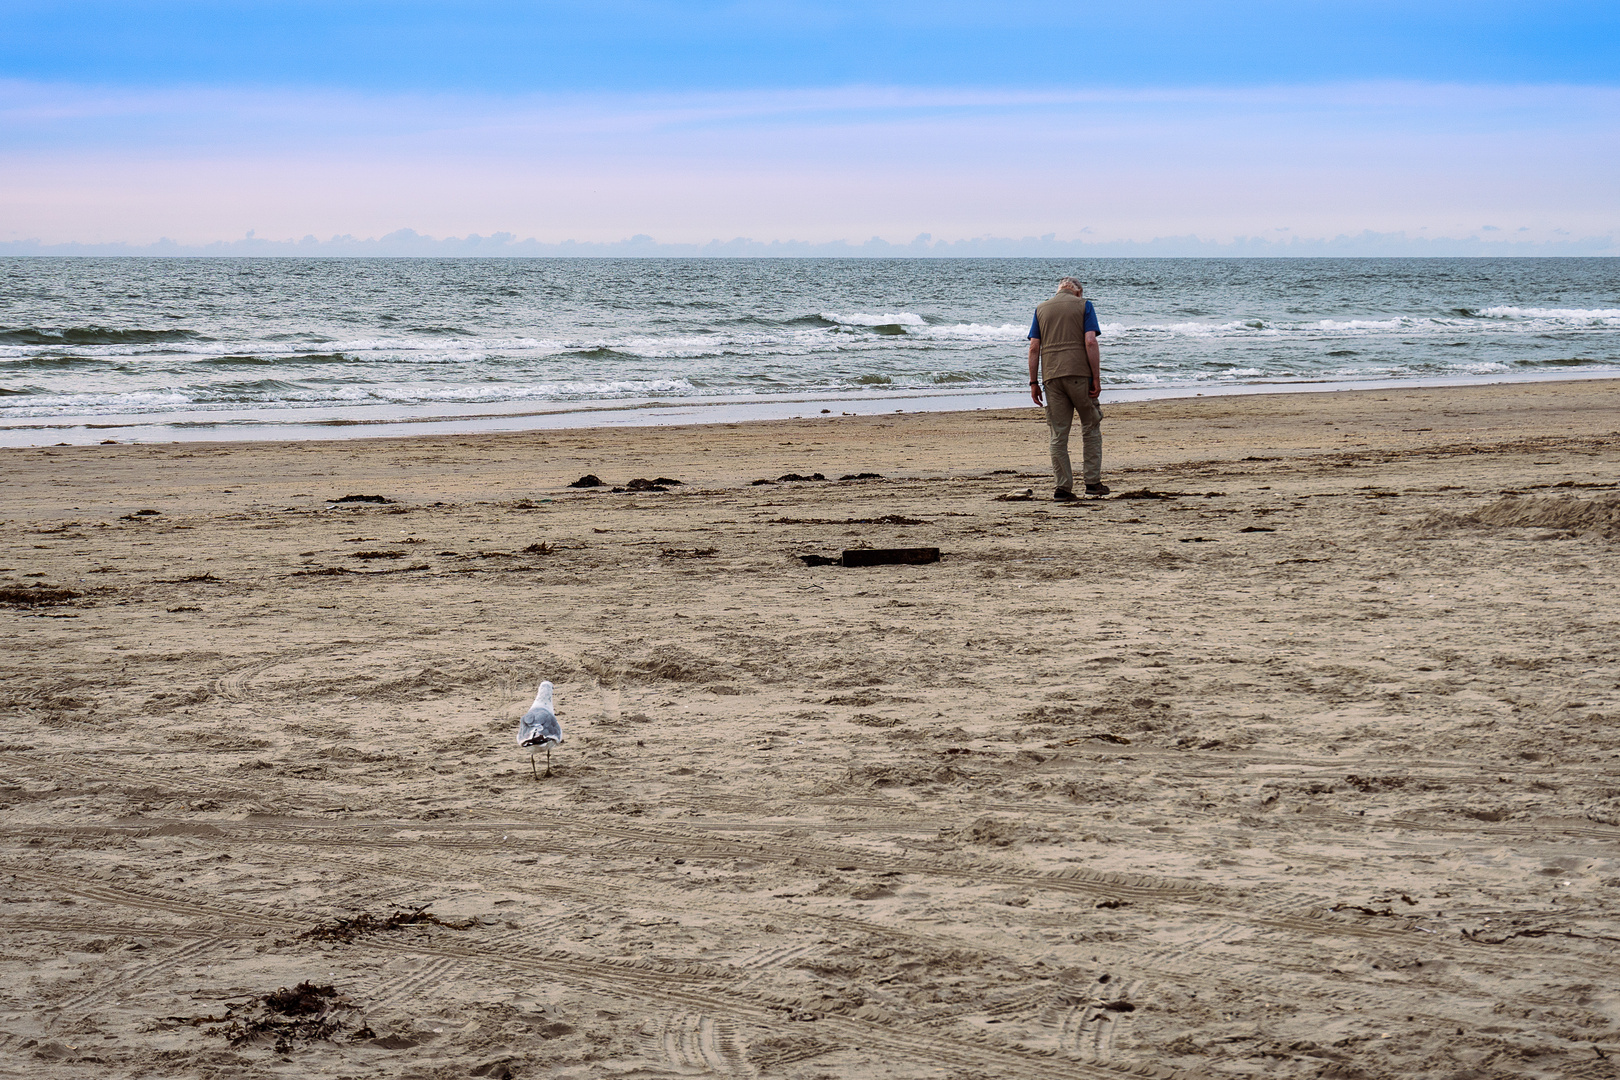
<point x="366" y="923"/>
<point x="306" y="1013"/>
<point x="36" y="595"/>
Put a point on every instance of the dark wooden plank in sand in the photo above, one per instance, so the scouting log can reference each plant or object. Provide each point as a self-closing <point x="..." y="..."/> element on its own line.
<point x="889" y="556"/>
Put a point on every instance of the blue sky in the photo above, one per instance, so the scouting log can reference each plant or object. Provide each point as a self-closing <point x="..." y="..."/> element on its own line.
<point x="809" y="120"/>
<point x="619" y="45"/>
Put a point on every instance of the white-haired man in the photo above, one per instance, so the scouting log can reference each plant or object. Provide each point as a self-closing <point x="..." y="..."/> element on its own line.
<point x="1064" y="360"/>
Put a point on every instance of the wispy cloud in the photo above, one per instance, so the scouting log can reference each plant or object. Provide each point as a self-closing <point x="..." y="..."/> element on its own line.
<point x="49" y="111"/>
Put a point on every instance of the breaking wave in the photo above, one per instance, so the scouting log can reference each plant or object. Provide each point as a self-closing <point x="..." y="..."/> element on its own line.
<point x="93" y="335"/>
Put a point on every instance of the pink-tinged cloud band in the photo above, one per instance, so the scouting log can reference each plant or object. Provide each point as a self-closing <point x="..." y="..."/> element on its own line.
<point x="1538" y="164"/>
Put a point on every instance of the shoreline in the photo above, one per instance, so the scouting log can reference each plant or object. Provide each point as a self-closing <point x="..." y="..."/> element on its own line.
<point x="382" y="422"/>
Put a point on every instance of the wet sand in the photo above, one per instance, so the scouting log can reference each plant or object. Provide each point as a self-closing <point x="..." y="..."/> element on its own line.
<point x="1300" y="762"/>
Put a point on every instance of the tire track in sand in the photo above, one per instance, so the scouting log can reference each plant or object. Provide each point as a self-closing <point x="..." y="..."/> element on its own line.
<point x="524" y="949"/>
<point x="708" y="992"/>
<point x="123" y="983"/>
<point x="695" y="1042"/>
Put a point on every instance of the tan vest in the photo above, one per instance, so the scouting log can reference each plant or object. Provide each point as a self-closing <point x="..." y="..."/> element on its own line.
<point x="1063" y="337"/>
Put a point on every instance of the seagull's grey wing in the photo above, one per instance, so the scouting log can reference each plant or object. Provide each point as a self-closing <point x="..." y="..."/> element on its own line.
<point x="529" y="726"/>
<point x="538" y="723"/>
<point x="550" y="728"/>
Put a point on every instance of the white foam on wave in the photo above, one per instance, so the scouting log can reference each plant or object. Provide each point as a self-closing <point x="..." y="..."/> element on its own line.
<point x="208" y="399"/>
<point x="970" y="332"/>
<point x="97" y="404"/>
<point x="1249" y="328"/>
<point x="1604" y="315"/>
<point x="1182" y="329"/>
<point x="554" y="391"/>
<point x="452" y="349"/>
<point x="1174" y="377"/>
<point x="1504" y="320"/>
<point x="862" y="318"/>
<point x="1363" y="325"/>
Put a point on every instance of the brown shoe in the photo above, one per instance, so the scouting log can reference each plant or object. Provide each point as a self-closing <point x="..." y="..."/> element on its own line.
<point x="1097" y="489"/>
<point x="1061" y="495"/>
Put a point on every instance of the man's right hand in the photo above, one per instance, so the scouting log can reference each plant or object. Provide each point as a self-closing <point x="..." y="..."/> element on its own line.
<point x="1035" y="393"/>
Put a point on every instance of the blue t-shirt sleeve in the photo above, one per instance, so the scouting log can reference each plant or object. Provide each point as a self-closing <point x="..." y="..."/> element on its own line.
<point x="1092" y="326"/>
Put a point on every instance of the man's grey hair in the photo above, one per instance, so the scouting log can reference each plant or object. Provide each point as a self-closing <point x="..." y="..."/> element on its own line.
<point x="1072" y="283"/>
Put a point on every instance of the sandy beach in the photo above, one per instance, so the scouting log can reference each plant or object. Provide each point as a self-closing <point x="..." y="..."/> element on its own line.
<point x="1295" y="757"/>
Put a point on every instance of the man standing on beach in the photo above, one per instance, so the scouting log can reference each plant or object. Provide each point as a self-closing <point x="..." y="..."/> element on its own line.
<point x="1063" y="356"/>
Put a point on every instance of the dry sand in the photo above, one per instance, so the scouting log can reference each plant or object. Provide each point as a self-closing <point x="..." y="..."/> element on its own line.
<point x="1304" y="767"/>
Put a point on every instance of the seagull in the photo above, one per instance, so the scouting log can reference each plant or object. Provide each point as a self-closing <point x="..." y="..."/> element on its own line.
<point x="539" y="730"/>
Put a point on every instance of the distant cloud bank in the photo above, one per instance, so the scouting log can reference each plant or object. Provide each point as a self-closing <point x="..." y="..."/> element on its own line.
<point x="407" y="243"/>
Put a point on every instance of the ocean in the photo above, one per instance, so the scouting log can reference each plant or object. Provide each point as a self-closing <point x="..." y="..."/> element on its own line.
<point x="148" y="349"/>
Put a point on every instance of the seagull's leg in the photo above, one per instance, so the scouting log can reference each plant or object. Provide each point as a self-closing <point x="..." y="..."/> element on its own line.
<point x="548" y="761"/>
<point x="532" y="770"/>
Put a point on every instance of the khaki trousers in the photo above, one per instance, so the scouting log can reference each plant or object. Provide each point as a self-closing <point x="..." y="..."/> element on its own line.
<point x="1065" y="396"/>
